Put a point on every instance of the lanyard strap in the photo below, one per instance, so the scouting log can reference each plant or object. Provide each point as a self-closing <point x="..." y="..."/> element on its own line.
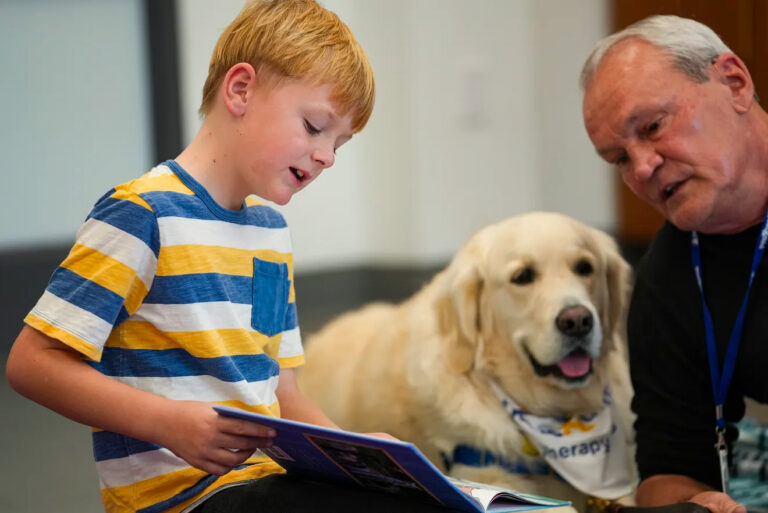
<point x="721" y="382"/>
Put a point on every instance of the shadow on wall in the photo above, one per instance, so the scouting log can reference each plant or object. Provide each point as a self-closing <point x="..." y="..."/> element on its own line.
<point x="24" y="275"/>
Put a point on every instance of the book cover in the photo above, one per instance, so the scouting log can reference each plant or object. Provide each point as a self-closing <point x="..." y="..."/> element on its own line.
<point x="381" y="465"/>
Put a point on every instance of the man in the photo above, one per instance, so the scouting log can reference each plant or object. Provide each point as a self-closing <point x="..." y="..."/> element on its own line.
<point x="674" y="109"/>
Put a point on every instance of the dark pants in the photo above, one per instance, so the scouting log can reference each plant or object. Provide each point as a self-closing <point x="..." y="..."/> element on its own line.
<point x="283" y="493"/>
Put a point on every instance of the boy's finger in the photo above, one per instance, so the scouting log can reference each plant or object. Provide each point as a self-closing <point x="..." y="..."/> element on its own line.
<point x="230" y="458"/>
<point x="246" y="428"/>
<point x="239" y="443"/>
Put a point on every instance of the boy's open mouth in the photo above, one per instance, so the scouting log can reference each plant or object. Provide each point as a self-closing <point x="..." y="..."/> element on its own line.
<point x="298" y="173"/>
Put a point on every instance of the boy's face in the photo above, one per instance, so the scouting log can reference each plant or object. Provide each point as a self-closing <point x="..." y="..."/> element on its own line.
<point x="289" y="135"/>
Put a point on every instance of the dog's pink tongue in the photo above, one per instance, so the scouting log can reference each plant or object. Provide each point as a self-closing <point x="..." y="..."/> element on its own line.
<point x="574" y="365"/>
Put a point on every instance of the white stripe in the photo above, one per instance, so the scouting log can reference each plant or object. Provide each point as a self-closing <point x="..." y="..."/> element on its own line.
<point x="175" y="231"/>
<point x="290" y="344"/>
<point x="141" y="466"/>
<point x="72" y="319"/>
<point x="207" y="388"/>
<point x="216" y="315"/>
<point x="159" y="170"/>
<point x="138" y="467"/>
<point x="120" y="245"/>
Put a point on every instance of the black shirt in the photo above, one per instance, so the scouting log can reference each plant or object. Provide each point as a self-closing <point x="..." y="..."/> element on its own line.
<point x="673" y="399"/>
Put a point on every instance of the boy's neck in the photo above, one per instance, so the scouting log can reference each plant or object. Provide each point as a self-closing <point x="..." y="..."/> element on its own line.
<point x="208" y="161"/>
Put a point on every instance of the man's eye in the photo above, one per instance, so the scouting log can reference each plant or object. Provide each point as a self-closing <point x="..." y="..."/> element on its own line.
<point x="622" y="160"/>
<point x="654" y="127"/>
<point x="311" y="129"/>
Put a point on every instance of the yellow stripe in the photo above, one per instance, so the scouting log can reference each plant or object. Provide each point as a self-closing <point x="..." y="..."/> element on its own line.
<point x="273" y="410"/>
<point x="253" y="201"/>
<point x="291" y="361"/>
<point x="192" y="259"/>
<point x="86" y="348"/>
<point x="202" y="344"/>
<point x="151" y="491"/>
<point x="265" y="469"/>
<point x="107" y="272"/>
<point x="160" y="183"/>
<point x="125" y="195"/>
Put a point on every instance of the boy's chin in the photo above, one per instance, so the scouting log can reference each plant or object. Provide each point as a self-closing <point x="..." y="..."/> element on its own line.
<point x="281" y="199"/>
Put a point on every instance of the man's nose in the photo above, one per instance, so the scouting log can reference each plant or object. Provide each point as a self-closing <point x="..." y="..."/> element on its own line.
<point x="644" y="160"/>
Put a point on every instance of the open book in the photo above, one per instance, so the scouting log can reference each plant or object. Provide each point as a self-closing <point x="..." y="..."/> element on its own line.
<point x="382" y="465"/>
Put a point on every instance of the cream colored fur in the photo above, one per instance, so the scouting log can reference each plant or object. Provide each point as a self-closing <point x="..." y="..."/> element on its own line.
<point x="419" y="370"/>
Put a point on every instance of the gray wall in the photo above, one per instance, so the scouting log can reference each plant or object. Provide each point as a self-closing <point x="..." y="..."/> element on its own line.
<point x="75" y="102"/>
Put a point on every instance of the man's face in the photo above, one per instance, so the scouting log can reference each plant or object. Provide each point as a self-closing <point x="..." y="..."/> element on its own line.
<point x="676" y="142"/>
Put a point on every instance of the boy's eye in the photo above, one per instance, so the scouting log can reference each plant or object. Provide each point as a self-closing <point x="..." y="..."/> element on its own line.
<point x="311" y="129"/>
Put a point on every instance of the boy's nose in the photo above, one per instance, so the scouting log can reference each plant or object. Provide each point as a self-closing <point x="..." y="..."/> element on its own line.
<point x="324" y="156"/>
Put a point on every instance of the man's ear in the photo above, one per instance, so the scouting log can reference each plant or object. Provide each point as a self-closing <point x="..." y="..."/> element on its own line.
<point x="734" y="73"/>
<point x="237" y="86"/>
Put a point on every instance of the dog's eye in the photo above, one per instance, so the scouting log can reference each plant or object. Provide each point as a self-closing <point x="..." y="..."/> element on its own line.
<point x="583" y="268"/>
<point x="523" y="276"/>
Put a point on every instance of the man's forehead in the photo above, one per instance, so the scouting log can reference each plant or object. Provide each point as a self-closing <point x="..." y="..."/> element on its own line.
<point x="630" y="69"/>
<point x="630" y="58"/>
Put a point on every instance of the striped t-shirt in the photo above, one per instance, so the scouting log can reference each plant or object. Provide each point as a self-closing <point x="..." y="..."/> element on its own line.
<point x="169" y="292"/>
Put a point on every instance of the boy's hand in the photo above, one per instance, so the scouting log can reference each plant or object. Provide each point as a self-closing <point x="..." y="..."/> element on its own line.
<point x="193" y="431"/>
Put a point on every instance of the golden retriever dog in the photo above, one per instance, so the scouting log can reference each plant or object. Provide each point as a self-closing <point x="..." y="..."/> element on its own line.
<point x="531" y="309"/>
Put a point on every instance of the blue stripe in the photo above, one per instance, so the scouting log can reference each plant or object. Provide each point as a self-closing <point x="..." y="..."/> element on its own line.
<point x="88" y="295"/>
<point x="190" y="492"/>
<point x="108" y="445"/>
<point x="175" y="204"/>
<point x="121" y="316"/>
<point x="129" y="217"/>
<point x="167" y="363"/>
<point x="200" y="288"/>
<point x="291" y="317"/>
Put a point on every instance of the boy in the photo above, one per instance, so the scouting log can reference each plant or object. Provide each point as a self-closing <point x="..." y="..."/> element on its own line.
<point x="178" y="293"/>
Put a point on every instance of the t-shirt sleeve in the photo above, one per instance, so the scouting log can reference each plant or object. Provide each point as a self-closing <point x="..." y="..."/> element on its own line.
<point x="105" y="277"/>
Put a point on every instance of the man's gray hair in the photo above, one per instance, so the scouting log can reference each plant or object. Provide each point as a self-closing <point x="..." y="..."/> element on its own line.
<point x="692" y="46"/>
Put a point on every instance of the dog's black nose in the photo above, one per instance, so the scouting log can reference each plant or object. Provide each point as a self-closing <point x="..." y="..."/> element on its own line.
<point x="575" y="321"/>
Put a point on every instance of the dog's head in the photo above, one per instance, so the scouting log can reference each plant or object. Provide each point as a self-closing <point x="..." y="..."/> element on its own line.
<point x="537" y="299"/>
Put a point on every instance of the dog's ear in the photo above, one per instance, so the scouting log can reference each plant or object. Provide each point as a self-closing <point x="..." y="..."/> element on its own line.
<point x="619" y="284"/>
<point x="458" y="310"/>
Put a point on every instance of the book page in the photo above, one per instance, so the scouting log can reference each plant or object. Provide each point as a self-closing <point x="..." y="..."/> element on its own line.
<point x="494" y="498"/>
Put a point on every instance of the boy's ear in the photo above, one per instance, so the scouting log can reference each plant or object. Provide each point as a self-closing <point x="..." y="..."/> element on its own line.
<point x="237" y="86"/>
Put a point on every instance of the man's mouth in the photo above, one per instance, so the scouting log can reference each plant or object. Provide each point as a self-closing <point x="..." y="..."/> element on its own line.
<point x="670" y="189"/>
<point x="575" y="367"/>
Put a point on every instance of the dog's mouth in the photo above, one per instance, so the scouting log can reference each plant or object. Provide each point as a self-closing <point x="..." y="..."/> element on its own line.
<point x="575" y="367"/>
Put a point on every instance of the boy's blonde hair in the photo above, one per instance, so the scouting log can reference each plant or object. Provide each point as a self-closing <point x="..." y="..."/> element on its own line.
<point x="296" y="39"/>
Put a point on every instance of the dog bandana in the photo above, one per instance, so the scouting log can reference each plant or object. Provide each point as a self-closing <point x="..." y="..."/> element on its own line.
<point x="588" y="451"/>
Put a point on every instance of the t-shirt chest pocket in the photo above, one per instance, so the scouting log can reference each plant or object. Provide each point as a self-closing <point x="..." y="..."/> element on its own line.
<point x="270" y="296"/>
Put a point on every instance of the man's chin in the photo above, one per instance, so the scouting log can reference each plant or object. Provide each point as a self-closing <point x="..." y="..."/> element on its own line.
<point x="691" y="219"/>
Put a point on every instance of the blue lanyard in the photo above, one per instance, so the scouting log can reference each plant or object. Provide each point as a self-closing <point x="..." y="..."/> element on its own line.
<point x="721" y="382"/>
